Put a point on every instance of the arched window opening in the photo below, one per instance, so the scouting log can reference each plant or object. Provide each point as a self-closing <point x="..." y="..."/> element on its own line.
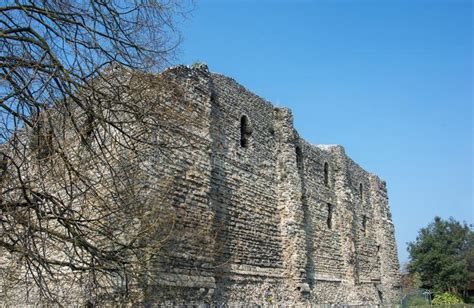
<point x="213" y="97"/>
<point x="361" y="191"/>
<point x="329" y="219"/>
<point x="245" y="131"/>
<point x="271" y="130"/>
<point x="326" y="174"/>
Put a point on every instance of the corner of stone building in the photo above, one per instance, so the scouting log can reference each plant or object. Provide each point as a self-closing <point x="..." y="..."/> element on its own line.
<point x="389" y="289"/>
<point x="190" y="169"/>
<point x="290" y="198"/>
<point x="347" y="213"/>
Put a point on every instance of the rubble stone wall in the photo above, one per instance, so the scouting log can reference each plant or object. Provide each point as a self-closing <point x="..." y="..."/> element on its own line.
<point x="251" y="213"/>
<point x="282" y="220"/>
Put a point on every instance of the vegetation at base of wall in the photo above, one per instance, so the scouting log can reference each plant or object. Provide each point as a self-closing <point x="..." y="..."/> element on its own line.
<point x="469" y="299"/>
<point x="418" y="300"/>
<point x="447" y="299"/>
<point x="443" y="255"/>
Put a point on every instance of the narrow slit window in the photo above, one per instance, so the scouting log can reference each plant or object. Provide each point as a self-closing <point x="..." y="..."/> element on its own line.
<point x="364" y="225"/>
<point x="329" y="219"/>
<point x="380" y="296"/>
<point x="326" y="174"/>
<point x="361" y="191"/>
<point x="245" y="131"/>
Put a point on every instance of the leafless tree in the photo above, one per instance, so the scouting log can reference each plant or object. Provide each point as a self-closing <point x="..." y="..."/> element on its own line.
<point x="80" y="121"/>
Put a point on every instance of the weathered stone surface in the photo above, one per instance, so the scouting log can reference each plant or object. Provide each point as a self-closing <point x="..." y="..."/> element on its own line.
<point x="262" y="216"/>
<point x="269" y="200"/>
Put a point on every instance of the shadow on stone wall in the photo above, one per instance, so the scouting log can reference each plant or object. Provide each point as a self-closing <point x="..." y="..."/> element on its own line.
<point x="219" y="198"/>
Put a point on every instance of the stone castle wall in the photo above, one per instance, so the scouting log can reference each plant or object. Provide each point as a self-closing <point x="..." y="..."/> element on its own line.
<point x="274" y="218"/>
<point x="249" y="212"/>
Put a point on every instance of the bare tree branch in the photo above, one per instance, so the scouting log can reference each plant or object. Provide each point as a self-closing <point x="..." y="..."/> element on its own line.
<point x="79" y="122"/>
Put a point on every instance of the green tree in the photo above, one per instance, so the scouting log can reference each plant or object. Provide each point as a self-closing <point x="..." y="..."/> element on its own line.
<point x="443" y="255"/>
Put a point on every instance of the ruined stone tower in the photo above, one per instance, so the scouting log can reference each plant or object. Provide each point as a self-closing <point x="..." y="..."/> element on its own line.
<point x="250" y="213"/>
<point x="291" y="221"/>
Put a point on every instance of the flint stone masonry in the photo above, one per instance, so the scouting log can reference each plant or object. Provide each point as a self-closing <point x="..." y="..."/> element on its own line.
<point x="269" y="226"/>
<point x="259" y="215"/>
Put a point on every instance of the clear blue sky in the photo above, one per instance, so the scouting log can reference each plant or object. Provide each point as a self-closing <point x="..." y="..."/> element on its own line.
<point x="389" y="80"/>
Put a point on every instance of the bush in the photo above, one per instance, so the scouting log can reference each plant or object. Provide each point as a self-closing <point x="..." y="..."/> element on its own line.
<point x="469" y="299"/>
<point x="446" y="299"/>
<point x="417" y="300"/>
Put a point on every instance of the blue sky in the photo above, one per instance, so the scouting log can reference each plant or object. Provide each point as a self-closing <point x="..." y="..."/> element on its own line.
<point x="389" y="80"/>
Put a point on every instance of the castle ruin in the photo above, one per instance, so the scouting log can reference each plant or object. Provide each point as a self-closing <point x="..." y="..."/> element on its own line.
<point x="294" y="221"/>
<point x="260" y="216"/>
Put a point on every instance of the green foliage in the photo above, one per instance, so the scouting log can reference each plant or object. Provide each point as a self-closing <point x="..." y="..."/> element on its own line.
<point x="443" y="255"/>
<point x="469" y="299"/>
<point x="418" y="300"/>
<point x="417" y="283"/>
<point x="446" y="299"/>
<point x="270" y="299"/>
